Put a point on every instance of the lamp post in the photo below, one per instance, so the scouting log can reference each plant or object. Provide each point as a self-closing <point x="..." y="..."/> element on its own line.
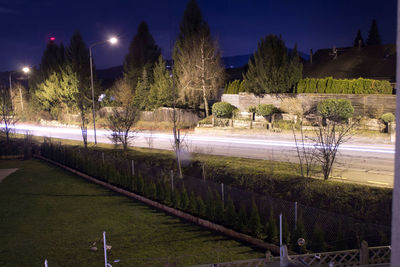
<point x="25" y="70"/>
<point x="112" y="41"/>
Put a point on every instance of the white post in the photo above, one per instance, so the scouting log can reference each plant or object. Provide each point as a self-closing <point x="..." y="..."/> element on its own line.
<point x="45" y="263"/>
<point x="295" y="215"/>
<point x="172" y="181"/>
<point x="133" y="168"/>
<point x="280" y="229"/>
<point x="222" y="195"/>
<point x="105" y="249"/>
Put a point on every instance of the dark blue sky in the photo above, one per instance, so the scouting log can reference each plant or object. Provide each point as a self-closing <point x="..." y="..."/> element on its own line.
<point x="26" y="24"/>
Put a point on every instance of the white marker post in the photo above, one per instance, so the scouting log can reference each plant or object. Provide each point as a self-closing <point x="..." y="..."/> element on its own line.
<point x="280" y="229"/>
<point x="105" y="249"/>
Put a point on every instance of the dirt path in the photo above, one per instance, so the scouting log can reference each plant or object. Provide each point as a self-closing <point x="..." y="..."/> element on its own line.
<point x="6" y="172"/>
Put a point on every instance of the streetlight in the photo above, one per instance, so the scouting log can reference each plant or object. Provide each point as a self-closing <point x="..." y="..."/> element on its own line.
<point x="25" y="70"/>
<point x="112" y="41"/>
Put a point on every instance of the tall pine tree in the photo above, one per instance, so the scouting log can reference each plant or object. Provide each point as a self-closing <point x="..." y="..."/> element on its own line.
<point x="374" y="37"/>
<point x="272" y="70"/>
<point x="161" y="89"/>
<point x="143" y="53"/>
<point x="358" y="40"/>
<point x="77" y="57"/>
<point x="198" y="69"/>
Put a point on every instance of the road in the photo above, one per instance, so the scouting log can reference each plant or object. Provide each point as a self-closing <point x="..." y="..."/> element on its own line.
<point x="359" y="162"/>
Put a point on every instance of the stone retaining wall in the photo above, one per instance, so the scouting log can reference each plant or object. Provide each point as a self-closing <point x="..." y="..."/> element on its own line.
<point x="364" y="105"/>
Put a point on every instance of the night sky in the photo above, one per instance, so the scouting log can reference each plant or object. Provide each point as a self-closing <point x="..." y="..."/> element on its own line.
<point x="27" y="24"/>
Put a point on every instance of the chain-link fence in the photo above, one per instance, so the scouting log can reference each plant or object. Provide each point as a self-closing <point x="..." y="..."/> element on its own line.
<point x="322" y="230"/>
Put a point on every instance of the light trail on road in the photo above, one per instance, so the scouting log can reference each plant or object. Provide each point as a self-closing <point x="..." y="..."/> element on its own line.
<point x="48" y="131"/>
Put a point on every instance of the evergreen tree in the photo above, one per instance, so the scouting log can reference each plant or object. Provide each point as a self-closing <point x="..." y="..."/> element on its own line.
<point x="254" y="222"/>
<point x="374" y="37"/>
<point x="295" y="69"/>
<point x="358" y="39"/>
<point x="176" y="199"/>
<point x="77" y="57"/>
<point x="160" y="94"/>
<point x="142" y="91"/>
<point x="271" y="229"/>
<point x="58" y="92"/>
<point x="271" y="70"/>
<point x="167" y="190"/>
<point x="143" y="53"/>
<point x="242" y="222"/>
<point x="198" y="70"/>
<point x="285" y="232"/>
<point x="184" y="198"/>
<point x="298" y="233"/>
<point x="219" y="209"/>
<point x="230" y="213"/>
<point x="201" y="208"/>
<point x="318" y="241"/>
<point x="210" y="205"/>
<point x="160" y="191"/>
<point x="192" y="203"/>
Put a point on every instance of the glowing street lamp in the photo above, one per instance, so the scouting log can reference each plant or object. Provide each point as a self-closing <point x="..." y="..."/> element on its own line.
<point x="112" y="41"/>
<point x="25" y="70"/>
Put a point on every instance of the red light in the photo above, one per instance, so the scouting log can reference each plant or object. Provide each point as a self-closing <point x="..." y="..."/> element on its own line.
<point x="52" y="38"/>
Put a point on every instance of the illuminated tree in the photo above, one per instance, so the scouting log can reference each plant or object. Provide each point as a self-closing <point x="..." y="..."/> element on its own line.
<point x="198" y="69"/>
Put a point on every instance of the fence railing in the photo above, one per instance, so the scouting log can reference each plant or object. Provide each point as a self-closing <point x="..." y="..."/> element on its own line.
<point x="363" y="256"/>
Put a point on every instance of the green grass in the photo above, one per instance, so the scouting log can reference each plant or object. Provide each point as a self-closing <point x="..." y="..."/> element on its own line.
<point x="48" y="213"/>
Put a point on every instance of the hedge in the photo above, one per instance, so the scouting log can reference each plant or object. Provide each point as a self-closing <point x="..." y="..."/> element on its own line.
<point x="343" y="86"/>
<point x="234" y="87"/>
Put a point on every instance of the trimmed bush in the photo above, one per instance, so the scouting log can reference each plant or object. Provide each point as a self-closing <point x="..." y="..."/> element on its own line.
<point x="388" y="117"/>
<point x="335" y="109"/>
<point x="223" y="110"/>
<point x="329" y="85"/>
<point x="266" y="110"/>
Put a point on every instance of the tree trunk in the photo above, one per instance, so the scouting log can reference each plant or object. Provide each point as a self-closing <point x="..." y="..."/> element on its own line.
<point x="203" y="80"/>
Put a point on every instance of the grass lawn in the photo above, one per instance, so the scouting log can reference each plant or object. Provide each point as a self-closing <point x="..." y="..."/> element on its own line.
<point x="48" y="213"/>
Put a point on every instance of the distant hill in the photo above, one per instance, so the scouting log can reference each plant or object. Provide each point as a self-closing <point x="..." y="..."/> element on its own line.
<point x="377" y="62"/>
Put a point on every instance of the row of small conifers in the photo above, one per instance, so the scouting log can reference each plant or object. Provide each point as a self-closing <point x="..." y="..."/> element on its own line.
<point x="153" y="181"/>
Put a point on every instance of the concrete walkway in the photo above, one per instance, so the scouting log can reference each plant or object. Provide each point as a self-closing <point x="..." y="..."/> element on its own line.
<point x="6" y="172"/>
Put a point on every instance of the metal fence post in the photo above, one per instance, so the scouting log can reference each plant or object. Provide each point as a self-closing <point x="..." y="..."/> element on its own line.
<point x="295" y="215"/>
<point x="172" y="181"/>
<point x="133" y="167"/>
<point x="204" y="172"/>
<point x="102" y="155"/>
<point x="105" y="249"/>
<point x="280" y="229"/>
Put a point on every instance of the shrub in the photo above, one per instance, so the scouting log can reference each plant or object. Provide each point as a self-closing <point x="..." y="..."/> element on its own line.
<point x="335" y="109"/>
<point x="222" y="110"/>
<point x="343" y="86"/>
<point x="387" y="117"/>
<point x="266" y="110"/>
<point x="252" y="109"/>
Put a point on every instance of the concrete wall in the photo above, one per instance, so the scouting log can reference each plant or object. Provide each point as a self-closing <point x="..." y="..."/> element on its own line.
<point x="363" y="104"/>
<point x="187" y="117"/>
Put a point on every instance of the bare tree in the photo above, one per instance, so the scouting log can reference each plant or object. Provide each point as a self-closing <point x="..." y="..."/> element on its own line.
<point x="123" y="117"/>
<point x="328" y="137"/>
<point x="305" y="152"/>
<point x="200" y="73"/>
<point x="8" y="116"/>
